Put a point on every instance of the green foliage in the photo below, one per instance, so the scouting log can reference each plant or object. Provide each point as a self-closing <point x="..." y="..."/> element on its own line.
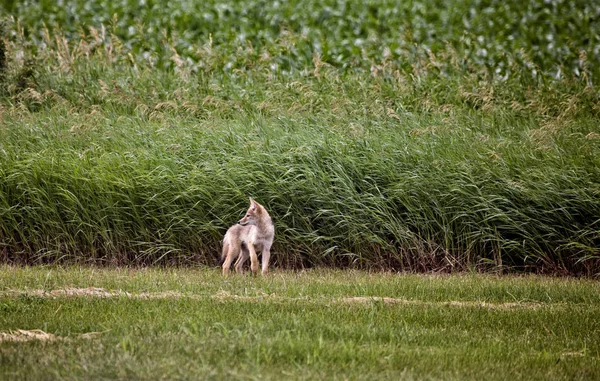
<point x="376" y="134"/>
<point x="547" y="37"/>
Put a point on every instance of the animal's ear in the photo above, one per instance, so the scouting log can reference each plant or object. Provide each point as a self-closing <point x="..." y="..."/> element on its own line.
<point x="252" y="203"/>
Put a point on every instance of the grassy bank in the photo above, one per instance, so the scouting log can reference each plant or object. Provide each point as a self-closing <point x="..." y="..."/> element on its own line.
<point x="124" y="145"/>
<point x="191" y="324"/>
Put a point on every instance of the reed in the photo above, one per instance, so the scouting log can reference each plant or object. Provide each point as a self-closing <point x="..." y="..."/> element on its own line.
<point x="137" y="146"/>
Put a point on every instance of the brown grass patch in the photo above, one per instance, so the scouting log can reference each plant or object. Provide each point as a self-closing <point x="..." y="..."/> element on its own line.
<point x="453" y="303"/>
<point x="224" y="295"/>
<point x="22" y="335"/>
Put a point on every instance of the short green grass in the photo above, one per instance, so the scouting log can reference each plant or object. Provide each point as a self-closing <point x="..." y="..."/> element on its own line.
<point x="296" y="325"/>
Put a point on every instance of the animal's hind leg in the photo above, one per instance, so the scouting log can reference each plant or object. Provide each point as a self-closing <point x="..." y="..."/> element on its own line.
<point x="244" y="255"/>
<point x="232" y="253"/>
<point x="224" y="252"/>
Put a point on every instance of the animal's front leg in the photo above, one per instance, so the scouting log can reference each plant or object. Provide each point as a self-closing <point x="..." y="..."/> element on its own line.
<point x="253" y="258"/>
<point x="266" y="254"/>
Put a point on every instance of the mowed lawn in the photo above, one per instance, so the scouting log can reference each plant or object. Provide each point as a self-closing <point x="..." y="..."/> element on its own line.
<point x="165" y="323"/>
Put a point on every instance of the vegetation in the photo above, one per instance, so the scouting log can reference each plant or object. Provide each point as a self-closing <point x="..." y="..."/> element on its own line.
<point x="192" y="324"/>
<point x="418" y="136"/>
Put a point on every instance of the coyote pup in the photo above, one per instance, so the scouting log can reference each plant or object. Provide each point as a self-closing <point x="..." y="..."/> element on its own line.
<point x="254" y="232"/>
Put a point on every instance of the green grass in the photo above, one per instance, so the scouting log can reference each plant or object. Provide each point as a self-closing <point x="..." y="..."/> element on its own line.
<point x="375" y="139"/>
<point x="295" y="326"/>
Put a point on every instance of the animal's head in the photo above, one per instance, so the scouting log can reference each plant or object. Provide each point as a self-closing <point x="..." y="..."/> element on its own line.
<point x="253" y="215"/>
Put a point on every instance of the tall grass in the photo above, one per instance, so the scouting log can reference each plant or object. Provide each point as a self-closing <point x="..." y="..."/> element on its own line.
<point x="426" y="159"/>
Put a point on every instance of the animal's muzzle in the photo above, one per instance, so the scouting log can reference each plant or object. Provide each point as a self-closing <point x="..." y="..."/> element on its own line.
<point x="242" y="223"/>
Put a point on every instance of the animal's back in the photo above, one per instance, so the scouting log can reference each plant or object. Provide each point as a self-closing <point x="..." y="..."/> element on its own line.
<point x="237" y="232"/>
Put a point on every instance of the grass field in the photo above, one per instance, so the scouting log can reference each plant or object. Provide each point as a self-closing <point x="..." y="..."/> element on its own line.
<point x="193" y="324"/>
<point x="327" y="324"/>
<point x="418" y="136"/>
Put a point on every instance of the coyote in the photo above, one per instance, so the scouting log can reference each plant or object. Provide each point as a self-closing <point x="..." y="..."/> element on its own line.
<point x="254" y="232"/>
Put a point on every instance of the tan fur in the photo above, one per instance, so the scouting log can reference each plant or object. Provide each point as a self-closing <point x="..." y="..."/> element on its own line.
<point x="253" y="233"/>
